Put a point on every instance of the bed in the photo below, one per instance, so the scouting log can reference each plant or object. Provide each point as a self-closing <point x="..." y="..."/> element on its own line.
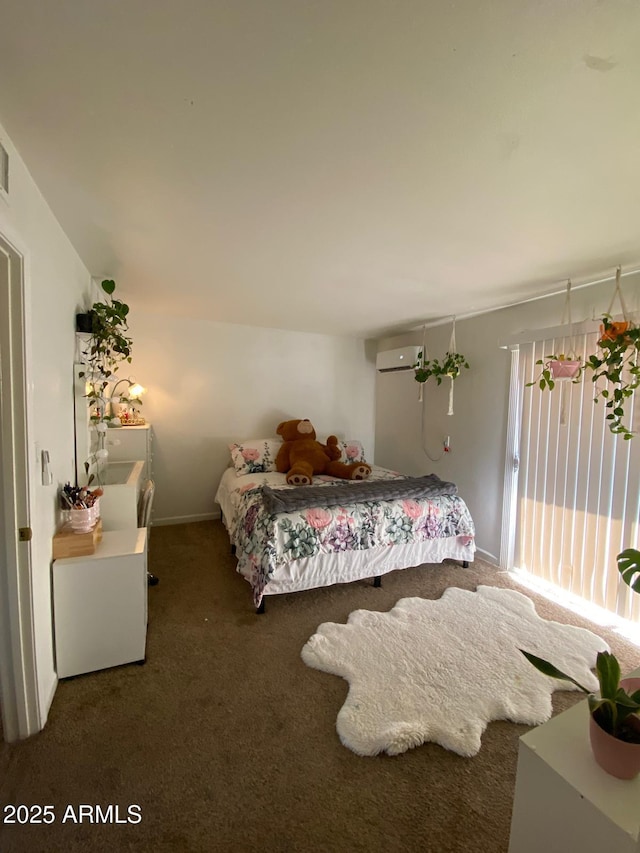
<point x="338" y="540"/>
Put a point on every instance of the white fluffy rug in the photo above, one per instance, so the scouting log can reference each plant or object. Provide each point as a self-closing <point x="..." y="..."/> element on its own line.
<point x="441" y="670"/>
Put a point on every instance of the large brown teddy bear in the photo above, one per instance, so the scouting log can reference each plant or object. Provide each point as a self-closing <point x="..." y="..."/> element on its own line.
<point x="301" y="456"/>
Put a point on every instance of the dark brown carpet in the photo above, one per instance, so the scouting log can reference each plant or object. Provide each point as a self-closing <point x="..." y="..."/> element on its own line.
<point x="227" y="740"/>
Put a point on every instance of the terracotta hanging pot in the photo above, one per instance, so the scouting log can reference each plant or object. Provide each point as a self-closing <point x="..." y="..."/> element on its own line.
<point x="615" y="328"/>
<point x="612" y="329"/>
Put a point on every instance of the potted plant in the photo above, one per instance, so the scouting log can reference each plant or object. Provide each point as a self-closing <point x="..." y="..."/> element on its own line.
<point x="451" y="366"/>
<point x="614" y="718"/>
<point x="557" y="368"/>
<point x="84" y="322"/>
<point x="422" y="367"/>
<point x="614" y="722"/>
<point x="616" y="363"/>
<point x="108" y="346"/>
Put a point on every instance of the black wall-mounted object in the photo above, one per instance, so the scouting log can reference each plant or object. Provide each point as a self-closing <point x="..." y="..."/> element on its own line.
<point x="84" y="322"/>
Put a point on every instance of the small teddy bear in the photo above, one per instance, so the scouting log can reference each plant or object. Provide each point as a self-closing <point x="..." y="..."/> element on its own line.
<point x="301" y="456"/>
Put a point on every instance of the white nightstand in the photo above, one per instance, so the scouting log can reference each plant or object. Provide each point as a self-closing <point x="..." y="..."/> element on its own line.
<point x="100" y="604"/>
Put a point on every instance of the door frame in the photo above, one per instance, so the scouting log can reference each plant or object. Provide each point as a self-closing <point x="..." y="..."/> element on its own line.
<point x="21" y="712"/>
<point x="511" y="464"/>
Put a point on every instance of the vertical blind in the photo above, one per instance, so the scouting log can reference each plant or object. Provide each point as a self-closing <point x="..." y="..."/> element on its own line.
<point x="578" y="486"/>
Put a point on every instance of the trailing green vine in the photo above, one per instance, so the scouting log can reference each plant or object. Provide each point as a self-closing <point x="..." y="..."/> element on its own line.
<point x="451" y="366"/>
<point x="614" y="365"/>
<point x="616" y="362"/>
<point x="109" y="345"/>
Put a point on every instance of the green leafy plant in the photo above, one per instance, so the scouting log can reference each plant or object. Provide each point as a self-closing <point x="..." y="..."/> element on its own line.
<point x="616" y="362"/>
<point x="614" y="710"/>
<point x="451" y="366"/>
<point x="614" y="365"/>
<point x="629" y="568"/>
<point x="422" y="367"/>
<point x="109" y="346"/>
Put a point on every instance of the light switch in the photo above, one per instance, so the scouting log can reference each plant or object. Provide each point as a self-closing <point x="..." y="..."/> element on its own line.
<point x="47" y="476"/>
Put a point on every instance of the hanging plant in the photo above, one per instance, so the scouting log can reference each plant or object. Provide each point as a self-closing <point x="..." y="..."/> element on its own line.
<point x="451" y="367"/>
<point x="562" y="366"/>
<point x="616" y="363"/>
<point x="109" y="345"/>
<point x="557" y="368"/>
<point x="422" y="367"/>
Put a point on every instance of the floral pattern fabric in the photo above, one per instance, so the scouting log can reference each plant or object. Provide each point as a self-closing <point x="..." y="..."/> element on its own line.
<point x="351" y="451"/>
<point x="255" y="456"/>
<point x="264" y="542"/>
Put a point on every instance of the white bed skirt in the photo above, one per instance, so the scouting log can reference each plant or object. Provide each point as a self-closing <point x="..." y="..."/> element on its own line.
<point x="346" y="566"/>
<point x="326" y="569"/>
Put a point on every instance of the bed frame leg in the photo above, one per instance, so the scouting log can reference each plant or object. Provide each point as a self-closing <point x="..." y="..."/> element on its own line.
<point x="465" y="564"/>
<point x="377" y="581"/>
<point x="260" y="609"/>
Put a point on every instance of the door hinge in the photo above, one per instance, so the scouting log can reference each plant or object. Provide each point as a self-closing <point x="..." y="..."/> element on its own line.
<point x="24" y="534"/>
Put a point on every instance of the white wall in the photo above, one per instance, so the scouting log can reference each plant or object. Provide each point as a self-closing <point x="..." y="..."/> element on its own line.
<point x="57" y="284"/>
<point x="210" y="383"/>
<point x="479" y="424"/>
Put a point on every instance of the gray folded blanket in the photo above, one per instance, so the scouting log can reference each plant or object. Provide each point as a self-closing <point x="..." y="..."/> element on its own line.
<point x="355" y="491"/>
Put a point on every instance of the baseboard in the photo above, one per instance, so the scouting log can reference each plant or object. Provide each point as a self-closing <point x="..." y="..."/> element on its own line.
<point x="185" y="519"/>
<point x="487" y="557"/>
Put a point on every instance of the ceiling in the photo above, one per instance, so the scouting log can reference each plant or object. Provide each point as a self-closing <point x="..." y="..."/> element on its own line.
<point x="338" y="166"/>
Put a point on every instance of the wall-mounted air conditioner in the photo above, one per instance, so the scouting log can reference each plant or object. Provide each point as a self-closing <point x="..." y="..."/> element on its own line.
<point x="397" y="359"/>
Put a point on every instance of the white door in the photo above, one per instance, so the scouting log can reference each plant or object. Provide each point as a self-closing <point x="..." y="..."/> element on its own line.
<point x="18" y="679"/>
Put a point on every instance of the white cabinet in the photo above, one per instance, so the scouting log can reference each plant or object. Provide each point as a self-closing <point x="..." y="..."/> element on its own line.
<point x="564" y="800"/>
<point x="100" y="604"/>
<point x="122" y="484"/>
<point x="123" y="477"/>
<point x="129" y="444"/>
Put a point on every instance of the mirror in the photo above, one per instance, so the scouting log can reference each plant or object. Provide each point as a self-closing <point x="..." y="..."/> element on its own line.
<point x="82" y="434"/>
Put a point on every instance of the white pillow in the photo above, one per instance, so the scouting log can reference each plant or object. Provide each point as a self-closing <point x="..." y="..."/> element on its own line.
<point x="351" y="451"/>
<point x="255" y="456"/>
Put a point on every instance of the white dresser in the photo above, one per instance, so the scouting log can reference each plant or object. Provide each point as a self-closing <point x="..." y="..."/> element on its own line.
<point x="129" y="444"/>
<point x="123" y="478"/>
<point x="100" y="604"/>
<point x="122" y="484"/>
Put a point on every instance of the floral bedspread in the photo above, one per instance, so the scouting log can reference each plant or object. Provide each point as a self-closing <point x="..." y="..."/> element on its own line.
<point x="263" y="543"/>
